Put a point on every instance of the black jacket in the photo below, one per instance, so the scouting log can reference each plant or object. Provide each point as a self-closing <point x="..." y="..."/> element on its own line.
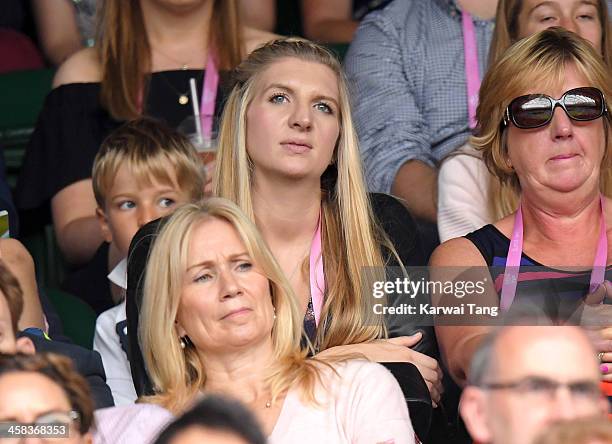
<point x="87" y="362"/>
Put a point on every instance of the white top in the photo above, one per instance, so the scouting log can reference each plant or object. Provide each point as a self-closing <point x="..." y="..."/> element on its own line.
<point x="130" y="424"/>
<point x="111" y="326"/>
<point x="363" y="405"/>
<point x="463" y="194"/>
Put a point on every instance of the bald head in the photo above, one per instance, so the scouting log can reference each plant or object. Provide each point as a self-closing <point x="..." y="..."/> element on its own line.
<point x="549" y="350"/>
<point x="524" y="378"/>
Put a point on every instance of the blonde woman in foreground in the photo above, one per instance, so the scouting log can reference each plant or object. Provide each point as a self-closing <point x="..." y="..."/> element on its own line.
<point x="219" y="317"/>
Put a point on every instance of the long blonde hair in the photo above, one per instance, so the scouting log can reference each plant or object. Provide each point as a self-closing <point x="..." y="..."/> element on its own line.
<point x="125" y="53"/>
<point x="351" y="236"/>
<point x="178" y="374"/>
<point x="503" y="198"/>
<point x="537" y="60"/>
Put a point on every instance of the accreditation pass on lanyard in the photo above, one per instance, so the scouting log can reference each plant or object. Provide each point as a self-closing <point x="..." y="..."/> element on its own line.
<point x="515" y="251"/>
<point x="472" y="72"/>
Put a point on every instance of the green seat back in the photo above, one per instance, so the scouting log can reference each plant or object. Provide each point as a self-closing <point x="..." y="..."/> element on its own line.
<point x="22" y="97"/>
<point x="78" y="318"/>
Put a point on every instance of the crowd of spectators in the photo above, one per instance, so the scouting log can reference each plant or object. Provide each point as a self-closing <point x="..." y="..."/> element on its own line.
<point x="230" y="202"/>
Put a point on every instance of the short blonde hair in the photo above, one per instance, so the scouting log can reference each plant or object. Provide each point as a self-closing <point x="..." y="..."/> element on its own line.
<point x="150" y="149"/>
<point x="178" y="374"/>
<point x="537" y="60"/>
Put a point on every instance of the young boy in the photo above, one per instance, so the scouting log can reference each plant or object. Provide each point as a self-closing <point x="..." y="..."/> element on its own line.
<point x="142" y="172"/>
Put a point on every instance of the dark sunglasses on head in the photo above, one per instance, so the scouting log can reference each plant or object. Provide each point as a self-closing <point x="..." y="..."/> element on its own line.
<point x="536" y="110"/>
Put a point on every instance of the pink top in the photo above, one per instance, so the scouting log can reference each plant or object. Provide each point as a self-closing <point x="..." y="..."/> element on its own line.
<point x="130" y="424"/>
<point x="363" y="405"/>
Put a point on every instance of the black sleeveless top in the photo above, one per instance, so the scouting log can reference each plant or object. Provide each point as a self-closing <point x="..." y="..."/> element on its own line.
<point x="554" y="292"/>
<point x="73" y="124"/>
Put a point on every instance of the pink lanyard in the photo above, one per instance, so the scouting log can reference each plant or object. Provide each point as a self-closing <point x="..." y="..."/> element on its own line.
<point x="472" y="74"/>
<point x="317" y="277"/>
<point x="513" y="261"/>
<point x="209" y="96"/>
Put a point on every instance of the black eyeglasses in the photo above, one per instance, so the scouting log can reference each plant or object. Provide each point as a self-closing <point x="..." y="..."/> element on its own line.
<point x="546" y="389"/>
<point x="536" y="110"/>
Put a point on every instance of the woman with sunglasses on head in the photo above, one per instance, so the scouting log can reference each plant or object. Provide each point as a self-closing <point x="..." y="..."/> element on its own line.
<point x="469" y="196"/>
<point x="44" y="391"/>
<point x="545" y="129"/>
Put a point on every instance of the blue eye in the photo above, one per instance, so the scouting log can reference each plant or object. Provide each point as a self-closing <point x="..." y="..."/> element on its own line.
<point x="278" y="98"/>
<point x="127" y="205"/>
<point x="205" y="277"/>
<point x="245" y="266"/>
<point x="321" y="106"/>
<point x="166" y="202"/>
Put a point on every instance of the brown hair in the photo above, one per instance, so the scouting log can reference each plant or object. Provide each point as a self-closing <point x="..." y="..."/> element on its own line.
<point x="60" y="370"/>
<point x="150" y="149"/>
<point x="125" y="53"/>
<point x="507" y="29"/>
<point x="10" y="288"/>
<point x="537" y="60"/>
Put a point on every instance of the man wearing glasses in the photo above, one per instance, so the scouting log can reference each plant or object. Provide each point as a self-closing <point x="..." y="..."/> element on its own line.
<point x="524" y="378"/>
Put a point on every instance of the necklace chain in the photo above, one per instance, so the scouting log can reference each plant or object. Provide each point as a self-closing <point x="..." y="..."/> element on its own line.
<point x="183" y="97"/>
<point x="299" y="264"/>
<point x="184" y="65"/>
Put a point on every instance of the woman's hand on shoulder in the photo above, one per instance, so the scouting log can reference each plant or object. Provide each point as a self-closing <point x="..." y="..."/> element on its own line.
<point x="397" y="350"/>
<point x="82" y="67"/>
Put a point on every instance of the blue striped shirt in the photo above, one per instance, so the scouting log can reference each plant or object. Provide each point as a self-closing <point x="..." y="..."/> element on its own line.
<point x="407" y="74"/>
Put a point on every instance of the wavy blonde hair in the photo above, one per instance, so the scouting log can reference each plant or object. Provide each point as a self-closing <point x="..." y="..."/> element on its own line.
<point x="351" y="236"/>
<point x="503" y="198"/>
<point x="178" y="374"/>
<point x="537" y="60"/>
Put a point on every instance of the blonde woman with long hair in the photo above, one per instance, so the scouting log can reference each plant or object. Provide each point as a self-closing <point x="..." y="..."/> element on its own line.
<point x="289" y="157"/>
<point x="469" y="195"/>
<point x="220" y="317"/>
<point x="298" y="177"/>
<point x="145" y="55"/>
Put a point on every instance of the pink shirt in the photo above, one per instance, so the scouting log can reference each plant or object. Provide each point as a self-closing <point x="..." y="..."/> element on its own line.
<point x="130" y="424"/>
<point x="363" y="405"/>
